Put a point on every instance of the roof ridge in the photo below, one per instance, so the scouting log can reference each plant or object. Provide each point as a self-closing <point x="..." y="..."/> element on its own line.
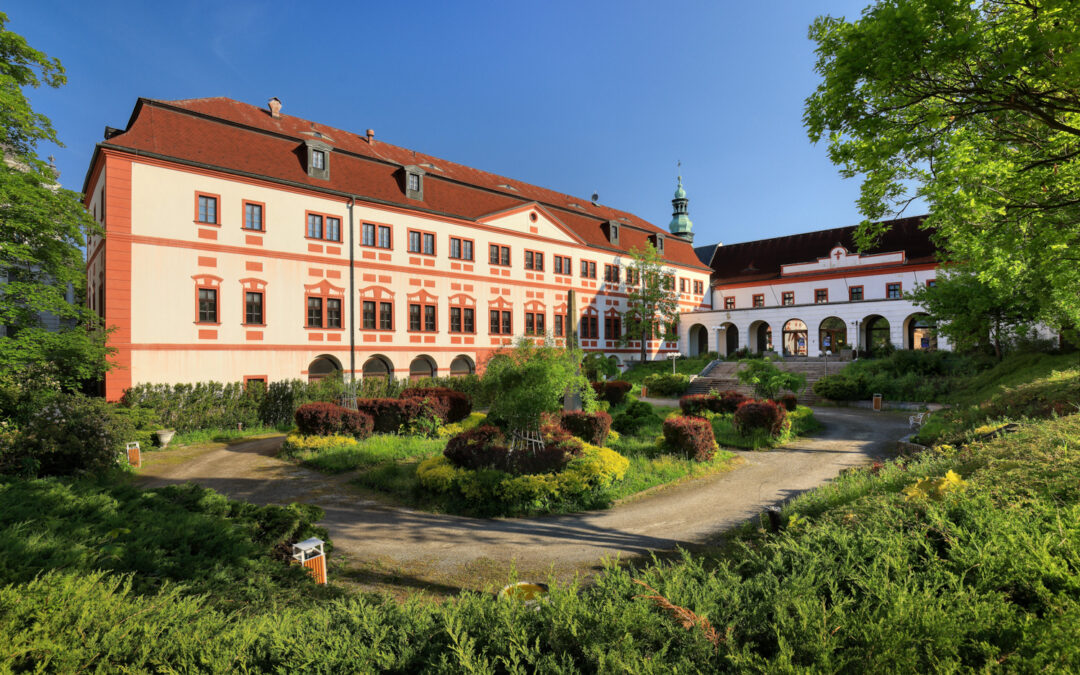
<point x="820" y="232"/>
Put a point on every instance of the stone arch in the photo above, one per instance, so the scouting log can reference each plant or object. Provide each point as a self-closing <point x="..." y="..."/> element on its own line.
<point x="323" y="366"/>
<point x="760" y="337"/>
<point x="378" y="366"/>
<point x="832" y="333"/>
<point x="462" y="365"/>
<point x="875" y="332"/>
<point x="796" y="338"/>
<point x="727" y="340"/>
<point x="919" y="332"/>
<point x="422" y="366"/>
<point x="698" y="339"/>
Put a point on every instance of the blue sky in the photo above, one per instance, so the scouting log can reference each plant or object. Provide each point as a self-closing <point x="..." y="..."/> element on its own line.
<point x="580" y="97"/>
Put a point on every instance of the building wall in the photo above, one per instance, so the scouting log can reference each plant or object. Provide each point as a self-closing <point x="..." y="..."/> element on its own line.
<point x="157" y="255"/>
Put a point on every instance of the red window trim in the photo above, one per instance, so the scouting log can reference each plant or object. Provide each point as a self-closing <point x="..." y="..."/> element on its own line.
<point x="894" y="283"/>
<point x="377" y="226"/>
<point x="325" y="291"/>
<point x="570" y="265"/>
<point x="500" y="308"/>
<point x="784" y="294"/>
<point x="462" y="240"/>
<point x="594" y="266"/>
<point x="252" y="285"/>
<point x="422" y="305"/>
<point x="930" y="281"/>
<point x="618" y="273"/>
<point x="208" y="282"/>
<point x="264" y="378"/>
<point x="753" y="300"/>
<point x="378" y="302"/>
<point x="509" y="254"/>
<point x="325" y="216"/>
<point x="535" y="253"/>
<point x="434" y="242"/>
<point x="217" y="209"/>
<point x="816" y="291"/>
<point x="732" y="299"/>
<point x="243" y="215"/>
<point x="850" y="292"/>
<point x="461" y="301"/>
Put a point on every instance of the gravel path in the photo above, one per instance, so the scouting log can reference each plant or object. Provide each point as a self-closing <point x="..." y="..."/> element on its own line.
<point x="423" y="549"/>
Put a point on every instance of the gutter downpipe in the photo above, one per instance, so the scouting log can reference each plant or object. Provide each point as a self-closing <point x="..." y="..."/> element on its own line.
<point x="352" y="297"/>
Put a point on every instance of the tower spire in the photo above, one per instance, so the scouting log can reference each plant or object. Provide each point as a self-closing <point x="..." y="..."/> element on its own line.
<point x="681" y="226"/>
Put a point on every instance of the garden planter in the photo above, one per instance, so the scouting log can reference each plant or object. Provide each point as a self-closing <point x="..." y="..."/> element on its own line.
<point x="164" y="436"/>
<point x="847" y="354"/>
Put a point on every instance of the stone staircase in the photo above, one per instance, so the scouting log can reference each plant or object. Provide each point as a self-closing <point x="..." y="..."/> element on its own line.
<point x="721" y="376"/>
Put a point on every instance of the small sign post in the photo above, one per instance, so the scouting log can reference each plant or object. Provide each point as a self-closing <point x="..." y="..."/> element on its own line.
<point x="877" y="402"/>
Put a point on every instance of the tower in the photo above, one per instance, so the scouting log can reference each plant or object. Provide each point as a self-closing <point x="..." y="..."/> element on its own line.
<point x="681" y="226"/>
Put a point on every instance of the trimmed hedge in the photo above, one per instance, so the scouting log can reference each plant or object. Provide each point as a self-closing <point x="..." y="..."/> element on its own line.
<point x="389" y="415"/>
<point x="589" y="427"/>
<point x="691" y="436"/>
<point x="721" y="402"/>
<point x="838" y="387"/>
<point x="614" y="391"/>
<point x="666" y="384"/>
<point x="451" y="406"/>
<point x="765" y="415"/>
<point x="327" y="419"/>
<point x="637" y="415"/>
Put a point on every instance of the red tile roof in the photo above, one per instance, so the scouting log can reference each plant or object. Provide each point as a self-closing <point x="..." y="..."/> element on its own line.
<point x="761" y="260"/>
<point x="238" y="137"/>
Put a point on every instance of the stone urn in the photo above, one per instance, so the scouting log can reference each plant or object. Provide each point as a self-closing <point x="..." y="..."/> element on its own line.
<point x="164" y="436"/>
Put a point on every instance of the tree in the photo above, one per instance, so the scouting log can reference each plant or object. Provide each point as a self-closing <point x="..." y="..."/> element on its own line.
<point x="974" y="108"/>
<point x="42" y="230"/>
<point x="767" y="380"/>
<point x="974" y="314"/>
<point x="529" y="380"/>
<point x="652" y="305"/>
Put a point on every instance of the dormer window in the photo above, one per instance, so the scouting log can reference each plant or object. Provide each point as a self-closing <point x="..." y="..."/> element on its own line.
<point x="414" y="182"/>
<point x="318" y="159"/>
<point x="658" y="240"/>
<point x="612" y="232"/>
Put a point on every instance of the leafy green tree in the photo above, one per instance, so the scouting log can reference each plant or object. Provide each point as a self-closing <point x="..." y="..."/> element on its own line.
<point x="42" y="230"/>
<point x="973" y="108"/>
<point x="652" y="304"/>
<point x="529" y="380"/>
<point x="767" y="380"/>
<point x="974" y="314"/>
<point x="596" y="364"/>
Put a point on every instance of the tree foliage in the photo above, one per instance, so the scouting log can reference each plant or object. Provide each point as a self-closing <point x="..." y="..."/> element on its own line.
<point x="42" y="229"/>
<point x="767" y="380"/>
<point x="974" y="108"/>
<point x="531" y="379"/>
<point x="652" y="305"/>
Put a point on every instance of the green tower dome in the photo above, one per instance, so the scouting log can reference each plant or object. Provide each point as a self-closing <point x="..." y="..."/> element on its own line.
<point x="681" y="225"/>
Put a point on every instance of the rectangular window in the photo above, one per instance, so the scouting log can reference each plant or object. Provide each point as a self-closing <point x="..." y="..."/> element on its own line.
<point x="559" y="321"/>
<point x="253" y="216"/>
<point x="759" y="300"/>
<point x="682" y="285"/>
<point x="414" y="317"/>
<point x="855" y="293"/>
<point x="455" y="319"/>
<point x="367" y="234"/>
<point x="821" y="295"/>
<point x="530" y="326"/>
<point x="590" y="327"/>
<point x="588" y="269"/>
<point x="384" y="237"/>
<point x="368" y="314"/>
<point x="462" y="320"/>
<point x="493" y="328"/>
<point x="375" y="235"/>
<point x="455" y="248"/>
<point x="333" y="313"/>
<point x="421" y="242"/>
<point x="892" y="291"/>
<point x="318" y="159"/>
<point x="499" y="255"/>
<point x="612" y="327"/>
<point x="333" y="229"/>
<point x="668" y="282"/>
<point x="429" y="244"/>
<point x="314" y="313"/>
<point x="729" y="302"/>
<point x="787" y="298"/>
<point x="506" y="328"/>
<point x="414" y="182"/>
<point x="633" y="276"/>
<point x="534" y="261"/>
<point x="414" y="242"/>
<point x="429" y="318"/>
<point x="611" y="274"/>
<point x="314" y="226"/>
<point x="207" y="305"/>
<point x="386" y="316"/>
<point x="208" y="209"/>
<point x="931" y="283"/>
<point x="563" y="265"/>
<point x="500" y="323"/>
<point x="253" y="308"/>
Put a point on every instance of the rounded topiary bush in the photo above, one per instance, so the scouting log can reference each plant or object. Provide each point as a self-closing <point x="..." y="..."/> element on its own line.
<point x="760" y="415"/>
<point x="696" y="404"/>
<point x="614" y="391"/>
<point x="390" y="414"/>
<point x="730" y="400"/>
<point x="690" y="436"/>
<point x="451" y="406"/>
<point x="325" y="419"/>
<point x="666" y="384"/>
<point x="636" y="416"/>
<point x="589" y="427"/>
<point x="479" y="448"/>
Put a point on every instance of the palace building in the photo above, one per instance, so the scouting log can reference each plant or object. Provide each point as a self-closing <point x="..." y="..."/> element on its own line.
<point x="808" y="294"/>
<point x="245" y="244"/>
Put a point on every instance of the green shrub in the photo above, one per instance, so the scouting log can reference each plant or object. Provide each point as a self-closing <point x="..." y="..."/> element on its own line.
<point x="637" y="416"/>
<point x="70" y="434"/>
<point x="666" y="384"/>
<point x="838" y="387"/>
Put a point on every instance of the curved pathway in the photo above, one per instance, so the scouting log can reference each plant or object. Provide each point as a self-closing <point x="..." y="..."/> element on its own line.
<point x="431" y="548"/>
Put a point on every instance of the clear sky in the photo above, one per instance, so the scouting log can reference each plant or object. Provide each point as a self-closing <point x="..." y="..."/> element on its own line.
<point x="579" y="97"/>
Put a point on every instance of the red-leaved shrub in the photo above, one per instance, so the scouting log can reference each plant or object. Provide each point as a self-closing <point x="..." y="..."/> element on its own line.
<point x="752" y="415"/>
<point x="324" y="419"/>
<point x="695" y="404"/>
<point x="559" y="448"/>
<point x="789" y="401"/>
<point x="389" y="414"/>
<point x="691" y="436"/>
<point x="450" y="405"/>
<point x="589" y="427"/>
<point x="481" y="448"/>
<point x="730" y="400"/>
<point x="614" y="391"/>
<point x="487" y="448"/>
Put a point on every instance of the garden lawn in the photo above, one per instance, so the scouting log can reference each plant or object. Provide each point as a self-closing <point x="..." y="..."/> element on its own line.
<point x="221" y="435"/>
<point x="801" y="422"/>
<point x="687" y="365"/>
<point x="338" y="454"/>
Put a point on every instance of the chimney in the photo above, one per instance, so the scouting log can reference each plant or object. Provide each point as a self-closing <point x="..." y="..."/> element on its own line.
<point x="275" y="107"/>
<point x="370" y="135"/>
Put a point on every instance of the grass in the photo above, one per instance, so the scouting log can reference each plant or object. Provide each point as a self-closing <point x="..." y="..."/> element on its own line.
<point x="802" y="423"/>
<point x="687" y="365"/>
<point x="204" y="436"/>
<point x="379" y="449"/>
<point x="1012" y="371"/>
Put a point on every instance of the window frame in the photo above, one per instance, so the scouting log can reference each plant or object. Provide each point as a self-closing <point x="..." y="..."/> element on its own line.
<point x="755" y="298"/>
<point x="461" y="249"/>
<point x="199" y="288"/>
<point x="536" y="258"/>
<point x="538" y="321"/>
<point x="244" y="204"/>
<point x="612" y="327"/>
<point x="324" y="303"/>
<point x="326" y="218"/>
<point x="422" y="316"/>
<point x="216" y="222"/>
<point x="729" y="302"/>
<point x="851" y="293"/>
<point x="588" y="266"/>
<point x="785" y="296"/>
<point x="899" y="290"/>
<point x="506" y="322"/>
<point x="611" y="274"/>
<point x="504" y="253"/>
<point x="590" y="327"/>
<point x="817" y="293"/>
<point x="564" y="262"/>
<point x="377" y="229"/>
<point x="262" y="307"/>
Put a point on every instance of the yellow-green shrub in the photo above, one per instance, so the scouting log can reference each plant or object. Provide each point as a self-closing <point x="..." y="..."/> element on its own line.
<point x="583" y="483"/>
<point x="471" y="422"/>
<point x="297" y="444"/>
